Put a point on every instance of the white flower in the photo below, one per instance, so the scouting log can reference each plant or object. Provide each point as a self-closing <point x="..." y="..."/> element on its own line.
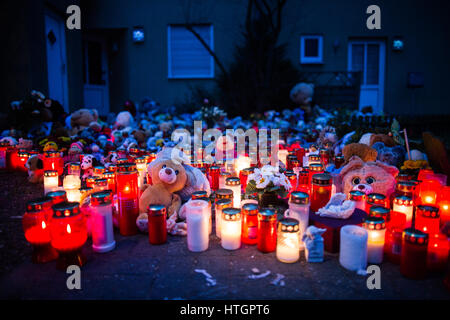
<point x="263" y="182"/>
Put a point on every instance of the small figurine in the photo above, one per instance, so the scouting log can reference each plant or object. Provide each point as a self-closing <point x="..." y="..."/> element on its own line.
<point x="313" y="244"/>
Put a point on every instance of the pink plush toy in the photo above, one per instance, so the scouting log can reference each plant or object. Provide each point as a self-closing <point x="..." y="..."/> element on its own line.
<point x="368" y="177"/>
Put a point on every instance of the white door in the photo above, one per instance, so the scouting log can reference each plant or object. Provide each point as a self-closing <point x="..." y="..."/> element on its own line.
<point x="96" y="88"/>
<point x="369" y="58"/>
<point x="56" y="59"/>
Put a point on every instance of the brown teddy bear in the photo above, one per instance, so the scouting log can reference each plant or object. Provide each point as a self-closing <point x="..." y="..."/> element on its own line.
<point x="368" y="177"/>
<point x="81" y="119"/>
<point x="35" y="167"/>
<point x="386" y="139"/>
<point x="363" y="151"/>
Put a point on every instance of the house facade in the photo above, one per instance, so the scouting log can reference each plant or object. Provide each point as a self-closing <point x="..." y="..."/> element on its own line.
<point x="135" y="49"/>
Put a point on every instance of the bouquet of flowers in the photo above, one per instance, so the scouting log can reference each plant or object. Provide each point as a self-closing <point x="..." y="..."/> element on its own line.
<point x="268" y="179"/>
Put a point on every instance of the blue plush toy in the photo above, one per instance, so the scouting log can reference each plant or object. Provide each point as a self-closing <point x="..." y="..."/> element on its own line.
<point x="393" y="156"/>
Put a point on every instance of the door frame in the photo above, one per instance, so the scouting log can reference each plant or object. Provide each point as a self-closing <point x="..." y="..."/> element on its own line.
<point x="48" y="13"/>
<point x="381" y="69"/>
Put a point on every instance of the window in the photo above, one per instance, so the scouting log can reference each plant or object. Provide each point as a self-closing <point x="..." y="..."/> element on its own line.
<point x="311" y="49"/>
<point x="187" y="57"/>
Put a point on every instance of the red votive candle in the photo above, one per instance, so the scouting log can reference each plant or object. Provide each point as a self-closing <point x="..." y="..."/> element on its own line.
<point x="339" y="161"/>
<point x="413" y="262"/>
<point x="90" y="182"/>
<point x="4" y="145"/>
<point x="427" y="219"/>
<point x="157" y="230"/>
<point x="300" y="153"/>
<point x="243" y="176"/>
<point x="68" y="234"/>
<point x="53" y="161"/>
<point x="57" y="196"/>
<point x="127" y="197"/>
<point x="428" y="191"/>
<point x="22" y="158"/>
<point x="320" y="191"/>
<point x="443" y="201"/>
<point x="36" y="226"/>
<point x="438" y="247"/>
<point x="111" y="180"/>
<point x="98" y="171"/>
<point x="267" y="230"/>
<point x="375" y="199"/>
<point x="324" y="157"/>
<point x="394" y="231"/>
<point x="249" y="234"/>
<point x="291" y="160"/>
<point x="214" y="172"/>
<point x="314" y="168"/>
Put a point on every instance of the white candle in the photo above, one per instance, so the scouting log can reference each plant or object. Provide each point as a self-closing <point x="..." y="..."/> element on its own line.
<point x="72" y="184"/>
<point x="242" y="162"/>
<point x="234" y="184"/>
<point x="359" y="198"/>
<point x="197" y="225"/>
<point x="51" y="181"/>
<point x="222" y="177"/>
<point x="102" y="222"/>
<point x="353" y="248"/>
<point x="288" y="248"/>
<point x="299" y="210"/>
<point x="376" y="229"/>
<point x="220" y="205"/>
<point x="141" y="167"/>
<point x="231" y="228"/>
<point x="404" y="204"/>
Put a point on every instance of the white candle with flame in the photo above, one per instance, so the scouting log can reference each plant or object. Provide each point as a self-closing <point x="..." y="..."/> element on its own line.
<point x="288" y="248"/>
<point x="376" y="229"/>
<point x="197" y="225"/>
<point x="234" y="184"/>
<point x="404" y="204"/>
<point x="231" y="228"/>
<point x="51" y="181"/>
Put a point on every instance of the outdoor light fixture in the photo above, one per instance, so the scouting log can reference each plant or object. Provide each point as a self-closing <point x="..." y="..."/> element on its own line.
<point x="138" y="34"/>
<point x="397" y="44"/>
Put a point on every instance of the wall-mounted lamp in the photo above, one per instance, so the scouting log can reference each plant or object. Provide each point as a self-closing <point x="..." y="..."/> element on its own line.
<point x="397" y="44"/>
<point x="138" y="34"/>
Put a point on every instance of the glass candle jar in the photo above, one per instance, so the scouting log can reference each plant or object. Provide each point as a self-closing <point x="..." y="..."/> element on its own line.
<point x="291" y="158"/>
<point x="141" y="166"/>
<point x="231" y="228"/>
<point x="428" y="191"/>
<point x="68" y="234"/>
<point x="243" y="176"/>
<point x="376" y="229"/>
<point x="53" y="161"/>
<point x="51" y="181"/>
<point x="224" y="194"/>
<point x="220" y="205"/>
<point x="375" y="199"/>
<point x="202" y="195"/>
<point x="427" y="219"/>
<point x="443" y="201"/>
<point x="380" y="212"/>
<point x="267" y="230"/>
<point x="102" y="221"/>
<point x="324" y="156"/>
<point x="22" y="158"/>
<point x="359" y="198"/>
<point x="74" y="169"/>
<point x="111" y="179"/>
<point x="299" y="210"/>
<point x="292" y="177"/>
<point x="314" y="159"/>
<point x="157" y="228"/>
<point x="100" y="184"/>
<point x="250" y="223"/>
<point x="234" y="184"/>
<point x="72" y="184"/>
<point x="413" y="262"/>
<point x="405" y="188"/>
<point x="98" y="171"/>
<point x="339" y="161"/>
<point x="197" y="225"/>
<point x="288" y="250"/>
<point x="315" y="168"/>
<point x="321" y="191"/>
<point x="36" y="226"/>
<point x="303" y="180"/>
<point x="353" y="248"/>
<point x="222" y="179"/>
<point x="214" y="172"/>
<point x="438" y="249"/>
<point x="128" y="198"/>
<point x="57" y="196"/>
<point x="300" y="153"/>
<point x="90" y="182"/>
<point x="404" y="204"/>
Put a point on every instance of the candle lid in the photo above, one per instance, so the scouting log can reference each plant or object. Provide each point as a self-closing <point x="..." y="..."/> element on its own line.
<point x="101" y="198"/>
<point x="376" y="198"/>
<point x="267" y="214"/>
<point x="101" y="182"/>
<point x="402" y="177"/>
<point x="108" y="174"/>
<point x="199" y="194"/>
<point x="374" y="223"/>
<point x="403" y="201"/>
<point x="39" y="204"/>
<point x="4" y="143"/>
<point x="339" y="159"/>
<point x="51" y="154"/>
<point x="90" y="179"/>
<point x="126" y="168"/>
<point x="405" y="186"/>
<point x="428" y="211"/>
<point x="23" y="153"/>
<point x="74" y="166"/>
<point x="232" y="181"/>
<point x="224" y="173"/>
<point x="231" y="214"/>
<point x="321" y="179"/>
<point x="304" y="172"/>
<point x="291" y="157"/>
<point x="357" y="195"/>
<point x="50" y="173"/>
<point x="415" y="236"/>
<point x="86" y="190"/>
<point x="315" y="167"/>
<point x="299" y="197"/>
<point x="379" y="211"/>
<point x="98" y="169"/>
<point x="66" y="209"/>
<point x="247" y="171"/>
<point x="314" y="157"/>
<point x="290" y="174"/>
<point x="214" y="169"/>
<point x="112" y="167"/>
<point x="223" y="203"/>
<point x="122" y="161"/>
<point x="288" y="225"/>
<point x="224" y="194"/>
<point x="250" y="209"/>
<point x="59" y="196"/>
<point x="140" y="160"/>
<point x="156" y="210"/>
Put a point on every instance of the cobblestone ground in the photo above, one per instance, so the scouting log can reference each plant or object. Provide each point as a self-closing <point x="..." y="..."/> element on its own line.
<point x="137" y="270"/>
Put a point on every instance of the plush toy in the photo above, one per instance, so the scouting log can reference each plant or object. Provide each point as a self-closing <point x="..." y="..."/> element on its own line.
<point x="50" y="146"/>
<point x="327" y="136"/>
<point x="11" y="141"/>
<point x="35" y="167"/>
<point x="363" y="151"/>
<point x="384" y="138"/>
<point x="365" y="138"/>
<point x="140" y="136"/>
<point x="87" y="164"/>
<point x="76" y="148"/>
<point x="25" y="144"/>
<point x="124" y="119"/>
<point x="81" y="119"/>
<point x="393" y="156"/>
<point x="368" y="177"/>
<point x="302" y="93"/>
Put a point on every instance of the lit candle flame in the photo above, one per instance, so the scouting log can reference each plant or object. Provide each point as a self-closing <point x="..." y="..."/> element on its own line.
<point x="445" y="207"/>
<point x="428" y="199"/>
<point x="425" y="229"/>
<point x="69" y="230"/>
<point x="43" y="225"/>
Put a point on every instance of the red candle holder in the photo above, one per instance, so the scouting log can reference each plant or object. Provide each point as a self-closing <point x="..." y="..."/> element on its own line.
<point x="292" y="177"/>
<point x="320" y="191"/>
<point x="36" y="226"/>
<point x="267" y="230"/>
<point x="53" y="161"/>
<point x="324" y="157"/>
<point x="100" y="184"/>
<point x="90" y="182"/>
<point x="128" y="198"/>
<point x="74" y="169"/>
<point x="68" y="234"/>
<point x="4" y="145"/>
<point x="291" y="161"/>
<point x="428" y="191"/>
<point x="375" y="199"/>
<point x="314" y="168"/>
<point x="98" y="171"/>
<point x="21" y="160"/>
<point x="438" y="248"/>
<point x="443" y="201"/>
<point x="243" y="176"/>
<point x="339" y="161"/>
<point x="214" y="172"/>
<point x="249" y="234"/>
<point x="380" y="212"/>
<point x="157" y="230"/>
<point x="111" y="180"/>
<point x="413" y="262"/>
<point x="57" y="196"/>
<point x="300" y="153"/>
<point x="427" y="219"/>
